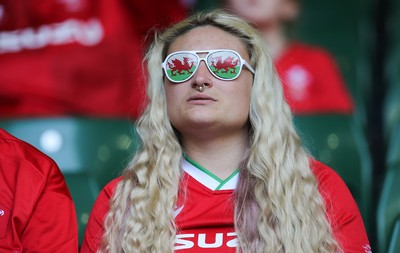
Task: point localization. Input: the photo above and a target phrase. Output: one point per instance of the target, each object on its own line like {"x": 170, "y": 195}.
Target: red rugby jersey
{"x": 205, "y": 217}
{"x": 36, "y": 210}
{"x": 311, "y": 81}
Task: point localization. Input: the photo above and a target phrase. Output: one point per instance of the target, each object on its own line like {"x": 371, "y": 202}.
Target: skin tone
{"x": 269, "y": 16}
{"x": 211, "y": 122}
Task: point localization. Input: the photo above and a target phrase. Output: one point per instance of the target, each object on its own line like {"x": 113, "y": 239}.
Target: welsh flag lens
{"x": 225, "y": 65}
{"x": 181, "y": 66}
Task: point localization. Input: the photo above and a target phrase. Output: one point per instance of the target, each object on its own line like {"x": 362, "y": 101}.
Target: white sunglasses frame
{"x": 208, "y": 52}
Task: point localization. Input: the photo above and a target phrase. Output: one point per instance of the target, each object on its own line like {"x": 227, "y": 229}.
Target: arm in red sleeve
{"x": 52, "y": 226}
{"x": 37, "y": 212}
{"x": 342, "y": 211}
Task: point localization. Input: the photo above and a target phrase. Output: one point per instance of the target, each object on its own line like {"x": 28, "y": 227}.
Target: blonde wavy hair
{"x": 278, "y": 207}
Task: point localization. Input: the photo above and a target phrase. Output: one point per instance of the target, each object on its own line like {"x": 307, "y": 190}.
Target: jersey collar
{"x": 207, "y": 178}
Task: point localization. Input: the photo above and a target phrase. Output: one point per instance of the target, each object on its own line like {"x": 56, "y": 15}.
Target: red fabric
{"x": 342, "y": 210}
{"x": 311, "y": 81}
{"x": 36, "y": 210}
{"x": 206, "y": 219}
{"x": 81, "y": 57}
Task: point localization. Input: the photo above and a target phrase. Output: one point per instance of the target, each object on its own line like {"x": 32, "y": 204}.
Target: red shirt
{"x": 311, "y": 81}
{"x": 81, "y": 57}
{"x": 204, "y": 217}
{"x": 36, "y": 210}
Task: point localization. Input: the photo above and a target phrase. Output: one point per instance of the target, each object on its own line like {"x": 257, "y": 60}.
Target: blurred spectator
{"x": 76, "y": 57}
{"x": 311, "y": 80}
{"x": 36, "y": 210}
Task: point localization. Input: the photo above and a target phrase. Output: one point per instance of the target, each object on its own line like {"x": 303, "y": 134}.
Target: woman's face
{"x": 264, "y": 12}
{"x": 223, "y": 106}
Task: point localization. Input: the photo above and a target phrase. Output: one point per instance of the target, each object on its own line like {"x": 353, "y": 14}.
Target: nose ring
{"x": 200, "y": 87}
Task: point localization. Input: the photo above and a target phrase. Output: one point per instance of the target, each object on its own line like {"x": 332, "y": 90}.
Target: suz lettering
{"x": 206, "y": 241}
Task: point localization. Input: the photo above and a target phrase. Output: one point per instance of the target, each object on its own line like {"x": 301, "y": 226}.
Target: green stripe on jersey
{"x": 227, "y": 179}
{"x": 209, "y": 173}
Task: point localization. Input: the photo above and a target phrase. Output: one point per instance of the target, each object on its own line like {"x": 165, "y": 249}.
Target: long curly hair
{"x": 278, "y": 207}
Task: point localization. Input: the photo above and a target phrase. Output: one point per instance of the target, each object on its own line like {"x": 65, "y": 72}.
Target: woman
{"x": 221, "y": 167}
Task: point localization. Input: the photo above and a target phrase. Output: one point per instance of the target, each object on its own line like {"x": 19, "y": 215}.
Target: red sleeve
{"x": 52, "y": 226}
{"x": 37, "y": 212}
{"x": 94, "y": 229}
{"x": 342, "y": 211}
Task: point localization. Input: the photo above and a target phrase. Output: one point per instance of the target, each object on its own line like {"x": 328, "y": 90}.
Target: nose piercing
{"x": 200, "y": 87}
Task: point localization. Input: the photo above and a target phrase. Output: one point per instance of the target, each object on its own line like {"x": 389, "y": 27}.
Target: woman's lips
{"x": 200, "y": 99}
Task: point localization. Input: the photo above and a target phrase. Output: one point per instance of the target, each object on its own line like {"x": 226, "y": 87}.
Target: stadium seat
{"x": 336, "y": 140}
{"x": 90, "y": 152}
{"x": 394, "y": 244}
{"x": 388, "y": 208}
{"x": 393, "y": 152}
{"x": 388, "y": 213}
{"x": 391, "y": 107}
{"x": 389, "y": 203}
{"x": 391, "y": 111}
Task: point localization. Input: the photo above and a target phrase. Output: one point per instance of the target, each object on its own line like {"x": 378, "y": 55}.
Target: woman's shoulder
{"x": 337, "y": 196}
{"x": 13, "y": 149}
{"x": 110, "y": 187}
{"x": 341, "y": 209}
{"x": 323, "y": 172}
{"x": 328, "y": 180}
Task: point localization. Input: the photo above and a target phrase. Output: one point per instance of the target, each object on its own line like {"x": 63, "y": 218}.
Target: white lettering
{"x": 91, "y": 33}
{"x": 87, "y": 33}
{"x": 218, "y": 241}
{"x": 64, "y": 33}
{"x": 367, "y": 248}
{"x": 188, "y": 241}
{"x": 183, "y": 244}
{"x": 43, "y": 37}
{"x": 28, "y": 39}
{"x": 9, "y": 42}
{"x": 233, "y": 243}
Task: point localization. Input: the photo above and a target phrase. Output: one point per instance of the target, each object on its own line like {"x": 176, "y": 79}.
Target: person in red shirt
{"x": 202, "y": 227}
{"x": 76, "y": 57}
{"x": 221, "y": 167}
{"x": 36, "y": 210}
{"x": 311, "y": 79}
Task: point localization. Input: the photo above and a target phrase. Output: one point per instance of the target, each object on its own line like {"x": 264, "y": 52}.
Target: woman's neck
{"x": 221, "y": 156}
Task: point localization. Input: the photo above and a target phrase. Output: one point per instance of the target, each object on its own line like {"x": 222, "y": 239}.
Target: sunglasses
{"x": 224, "y": 64}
